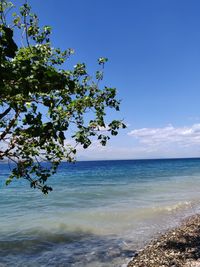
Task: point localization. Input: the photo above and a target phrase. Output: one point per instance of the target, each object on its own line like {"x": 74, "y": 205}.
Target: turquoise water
{"x": 99, "y": 213}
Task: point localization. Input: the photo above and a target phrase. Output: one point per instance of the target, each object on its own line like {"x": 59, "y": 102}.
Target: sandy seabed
{"x": 179, "y": 247}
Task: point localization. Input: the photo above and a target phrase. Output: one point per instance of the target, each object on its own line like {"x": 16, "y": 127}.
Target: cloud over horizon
{"x": 160, "y": 142}
{"x": 183, "y": 136}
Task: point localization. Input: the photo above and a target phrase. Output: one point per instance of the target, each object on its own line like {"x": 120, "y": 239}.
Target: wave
{"x": 63, "y": 249}
{"x": 37, "y": 240}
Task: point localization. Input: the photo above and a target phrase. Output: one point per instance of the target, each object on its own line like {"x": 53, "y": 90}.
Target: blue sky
{"x": 154, "y": 61}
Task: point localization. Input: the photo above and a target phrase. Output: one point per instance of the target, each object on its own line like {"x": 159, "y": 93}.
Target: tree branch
{"x": 5, "y": 113}
{"x": 10, "y": 125}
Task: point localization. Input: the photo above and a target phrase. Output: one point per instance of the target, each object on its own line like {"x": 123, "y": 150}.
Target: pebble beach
{"x": 179, "y": 247}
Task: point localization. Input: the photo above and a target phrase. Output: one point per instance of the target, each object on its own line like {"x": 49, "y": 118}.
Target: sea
{"x": 99, "y": 214}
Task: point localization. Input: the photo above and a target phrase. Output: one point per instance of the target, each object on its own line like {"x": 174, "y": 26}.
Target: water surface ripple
{"x": 99, "y": 213}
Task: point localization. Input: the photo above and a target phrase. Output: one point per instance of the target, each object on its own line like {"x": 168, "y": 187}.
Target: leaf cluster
{"x": 40, "y": 101}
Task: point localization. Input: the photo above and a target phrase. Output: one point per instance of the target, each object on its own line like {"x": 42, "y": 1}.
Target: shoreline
{"x": 177, "y": 247}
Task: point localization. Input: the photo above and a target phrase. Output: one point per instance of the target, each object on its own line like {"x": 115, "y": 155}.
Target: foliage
{"x": 40, "y": 100}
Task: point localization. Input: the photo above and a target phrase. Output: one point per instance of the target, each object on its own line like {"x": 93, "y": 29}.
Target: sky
{"x": 153, "y": 47}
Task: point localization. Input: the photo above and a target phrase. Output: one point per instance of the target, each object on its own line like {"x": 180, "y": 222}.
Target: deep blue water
{"x": 98, "y": 214}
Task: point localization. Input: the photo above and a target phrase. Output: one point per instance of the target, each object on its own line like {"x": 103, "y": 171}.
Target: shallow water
{"x": 98, "y": 214}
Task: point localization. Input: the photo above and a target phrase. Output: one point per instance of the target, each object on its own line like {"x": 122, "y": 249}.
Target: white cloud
{"x": 184, "y": 136}
{"x": 163, "y": 142}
